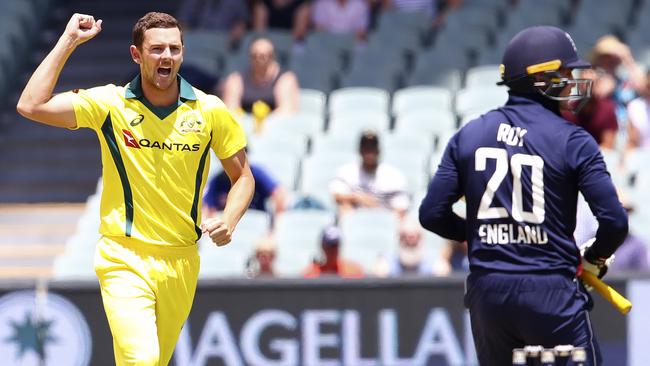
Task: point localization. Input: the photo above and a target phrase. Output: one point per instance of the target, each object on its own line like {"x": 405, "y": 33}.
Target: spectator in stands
{"x": 453, "y": 258}
{"x": 342, "y": 16}
{"x": 260, "y": 265}
{"x": 638, "y": 112}
{"x": 598, "y": 115}
{"x": 436, "y": 9}
{"x": 608, "y": 54}
{"x": 291, "y": 15}
{"x": 331, "y": 263}
{"x": 632, "y": 255}
{"x": 266, "y": 188}
{"x": 370, "y": 183}
{"x": 219, "y": 15}
{"x": 410, "y": 258}
{"x": 265, "y": 87}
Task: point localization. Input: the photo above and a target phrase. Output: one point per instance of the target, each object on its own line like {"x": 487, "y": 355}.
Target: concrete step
{"x": 32, "y": 235}
{"x": 40, "y": 192}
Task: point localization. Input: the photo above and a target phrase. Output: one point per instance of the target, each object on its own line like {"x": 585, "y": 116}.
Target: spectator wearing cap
{"x": 607, "y": 55}
{"x": 370, "y": 183}
{"x": 331, "y": 263}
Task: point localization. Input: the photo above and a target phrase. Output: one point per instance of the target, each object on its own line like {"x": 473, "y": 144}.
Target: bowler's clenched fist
{"x": 218, "y": 231}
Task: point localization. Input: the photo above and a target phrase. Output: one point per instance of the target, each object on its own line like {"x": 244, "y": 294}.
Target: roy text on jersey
{"x": 513, "y": 136}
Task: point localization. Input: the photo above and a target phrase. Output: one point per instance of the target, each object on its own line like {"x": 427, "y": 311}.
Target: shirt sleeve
{"x": 228, "y": 137}
{"x": 340, "y": 184}
{"x": 264, "y": 182}
{"x": 595, "y": 184}
{"x": 91, "y": 106}
{"x": 436, "y": 213}
{"x": 361, "y": 20}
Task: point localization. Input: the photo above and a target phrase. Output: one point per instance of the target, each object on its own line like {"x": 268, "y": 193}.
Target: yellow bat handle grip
{"x": 621, "y": 304}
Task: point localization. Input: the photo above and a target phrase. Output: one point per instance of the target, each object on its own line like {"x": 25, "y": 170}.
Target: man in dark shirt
{"x": 520, "y": 168}
{"x": 266, "y": 187}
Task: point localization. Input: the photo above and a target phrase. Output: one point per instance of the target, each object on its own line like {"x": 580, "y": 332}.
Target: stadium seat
{"x": 298, "y": 235}
{"x": 354, "y": 121}
{"x": 340, "y": 45}
{"x": 206, "y": 63}
{"x": 312, "y": 101}
{"x": 403, "y": 22}
{"x": 429, "y": 123}
{"x": 317, "y": 69}
{"x": 410, "y": 142}
{"x": 368, "y": 234}
{"x": 319, "y": 169}
{"x": 384, "y": 77}
{"x": 480, "y": 99}
{"x": 412, "y": 164}
{"x": 278, "y": 140}
{"x": 281, "y": 165}
{"x": 485, "y": 75}
{"x": 209, "y": 43}
{"x": 346, "y": 99}
{"x": 434, "y": 74}
{"x": 305, "y": 123}
{"x": 230, "y": 260}
{"x": 347, "y": 143}
{"x": 421, "y": 97}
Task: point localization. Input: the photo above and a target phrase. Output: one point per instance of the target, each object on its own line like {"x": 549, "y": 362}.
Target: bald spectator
{"x": 410, "y": 258}
{"x": 265, "y": 82}
{"x": 260, "y": 265}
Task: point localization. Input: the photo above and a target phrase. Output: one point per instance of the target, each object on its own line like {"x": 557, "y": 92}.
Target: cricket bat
{"x": 621, "y": 304}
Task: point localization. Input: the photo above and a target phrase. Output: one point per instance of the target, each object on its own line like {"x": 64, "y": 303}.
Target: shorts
{"x": 147, "y": 291}
{"x": 510, "y": 311}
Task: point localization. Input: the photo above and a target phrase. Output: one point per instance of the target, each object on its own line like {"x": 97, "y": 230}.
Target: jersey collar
{"x": 134, "y": 89}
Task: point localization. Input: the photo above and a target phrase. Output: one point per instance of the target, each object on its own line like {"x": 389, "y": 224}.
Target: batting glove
{"x": 592, "y": 263}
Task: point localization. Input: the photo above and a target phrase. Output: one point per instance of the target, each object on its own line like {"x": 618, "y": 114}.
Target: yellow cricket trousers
{"x": 147, "y": 292}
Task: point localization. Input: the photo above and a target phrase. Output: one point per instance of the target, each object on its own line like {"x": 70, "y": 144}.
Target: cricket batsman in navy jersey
{"x": 520, "y": 168}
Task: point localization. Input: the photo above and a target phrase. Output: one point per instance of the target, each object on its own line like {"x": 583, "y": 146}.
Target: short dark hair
{"x": 369, "y": 140}
{"x": 153, "y": 20}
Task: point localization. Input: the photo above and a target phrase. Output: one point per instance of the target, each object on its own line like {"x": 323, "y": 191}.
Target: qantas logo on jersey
{"x": 130, "y": 141}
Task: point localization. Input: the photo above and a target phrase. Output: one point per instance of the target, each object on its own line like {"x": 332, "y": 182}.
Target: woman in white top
{"x": 638, "y": 112}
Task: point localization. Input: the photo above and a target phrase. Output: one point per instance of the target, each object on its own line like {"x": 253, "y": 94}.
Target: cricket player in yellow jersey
{"x": 155, "y": 134}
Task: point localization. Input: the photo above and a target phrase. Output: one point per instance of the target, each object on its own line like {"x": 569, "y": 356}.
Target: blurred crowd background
{"x": 347, "y": 105}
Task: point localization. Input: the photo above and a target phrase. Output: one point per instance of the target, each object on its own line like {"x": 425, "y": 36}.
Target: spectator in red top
{"x": 598, "y": 116}
{"x": 332, "y": 264}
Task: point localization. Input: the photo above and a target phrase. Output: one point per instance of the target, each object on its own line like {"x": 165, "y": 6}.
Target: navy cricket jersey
{"x": 520, "y": 168}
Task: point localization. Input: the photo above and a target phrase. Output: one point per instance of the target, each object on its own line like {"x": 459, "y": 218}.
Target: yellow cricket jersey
{"x": 155, "y": 160}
